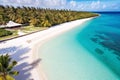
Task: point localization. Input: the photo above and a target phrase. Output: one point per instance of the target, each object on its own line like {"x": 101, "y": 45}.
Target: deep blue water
{"x": 87, "y": 52}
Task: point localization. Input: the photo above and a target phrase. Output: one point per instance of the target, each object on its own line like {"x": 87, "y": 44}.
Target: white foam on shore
{"x": 22, "y": 49}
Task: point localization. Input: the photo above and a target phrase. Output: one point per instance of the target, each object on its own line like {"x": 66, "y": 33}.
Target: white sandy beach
{"x": 23, "y": 50}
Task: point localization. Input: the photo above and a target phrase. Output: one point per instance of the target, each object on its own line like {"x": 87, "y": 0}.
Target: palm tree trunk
{"x": 4, "y": 76}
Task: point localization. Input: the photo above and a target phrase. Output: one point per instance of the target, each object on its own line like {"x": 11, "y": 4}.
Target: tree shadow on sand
{"x": 25, "y": 67}
{"x": 8, "y": 50}
{"x": 18, "y": 54}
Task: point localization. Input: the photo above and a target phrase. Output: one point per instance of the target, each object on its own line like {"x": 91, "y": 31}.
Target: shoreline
{"x": 35, "y": 50}
{"x": 24, "y": 49}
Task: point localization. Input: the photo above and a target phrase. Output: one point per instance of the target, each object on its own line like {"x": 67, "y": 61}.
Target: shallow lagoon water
{"x": 87, "y": 52}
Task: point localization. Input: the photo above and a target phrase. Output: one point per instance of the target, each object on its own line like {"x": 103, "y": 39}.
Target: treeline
{"x": 39, "y": 17}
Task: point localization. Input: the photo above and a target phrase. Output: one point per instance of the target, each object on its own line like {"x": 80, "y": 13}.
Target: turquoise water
{"x": 87, "y": 52}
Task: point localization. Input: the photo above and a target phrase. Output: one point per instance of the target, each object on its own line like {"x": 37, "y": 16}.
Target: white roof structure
{"x": 12, "y": 24}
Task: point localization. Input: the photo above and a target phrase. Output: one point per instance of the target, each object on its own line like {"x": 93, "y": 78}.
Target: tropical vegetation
{"x": 36, "y": 18}
{"x": 4, "y": 32}
{"x": 6, "y": 68}
{"x": 39, "y": 17}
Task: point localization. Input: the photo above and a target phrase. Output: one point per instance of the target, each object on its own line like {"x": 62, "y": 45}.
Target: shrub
{"x": 4, "y": 32}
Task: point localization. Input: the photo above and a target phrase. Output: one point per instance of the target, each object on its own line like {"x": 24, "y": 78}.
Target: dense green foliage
{"x": 4, "y": 32}
{"x": 6, "y": 66}
{"x": 39, "y": 17}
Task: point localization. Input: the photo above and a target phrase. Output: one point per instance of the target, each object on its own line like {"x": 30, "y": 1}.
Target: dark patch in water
{"x": 117, "y": 53}
{"x": 94, "y": 40}
{"x": 109, "y": 40}
{"x": 110, "y": 45}
{"x": 102, "y": 37}
{"x": 113, "y": 36}
{"x": 118, "y": 58}
{"x": 99, "y": 51}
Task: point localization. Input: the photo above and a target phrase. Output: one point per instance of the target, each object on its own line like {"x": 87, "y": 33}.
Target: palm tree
{"x": 45, "y": 23}
{"x": 6, "y": 66}
{"x": 34, "y": 22}
{"x": 40, "y": 17}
